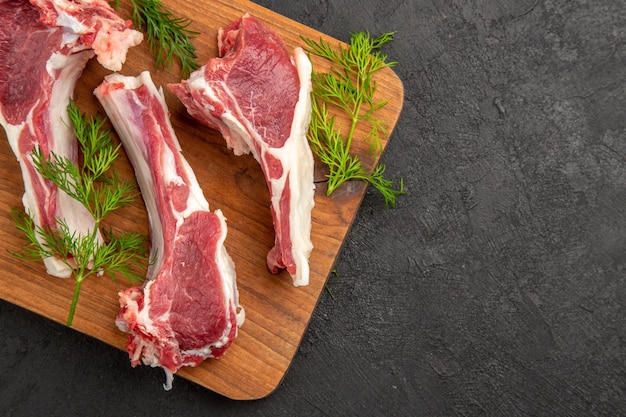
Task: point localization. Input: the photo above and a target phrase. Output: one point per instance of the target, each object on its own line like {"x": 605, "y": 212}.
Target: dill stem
{"x": 79, "y": 281}
{"x": 351, "y": 132}
{"x": 355, "y": 121}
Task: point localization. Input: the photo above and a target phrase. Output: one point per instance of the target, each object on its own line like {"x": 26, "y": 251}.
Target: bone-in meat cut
{"x": 44, "y": 47}
{"x": 258, "y": 97}
{"x": 188, "y": 308}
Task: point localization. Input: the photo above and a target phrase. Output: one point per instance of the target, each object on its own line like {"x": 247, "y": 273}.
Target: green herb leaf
{"x": 350, "y": 88}
{"x": 169, "y": 36}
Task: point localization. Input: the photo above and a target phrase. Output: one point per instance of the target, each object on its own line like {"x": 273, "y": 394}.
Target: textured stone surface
{"x": 495, "y": 287}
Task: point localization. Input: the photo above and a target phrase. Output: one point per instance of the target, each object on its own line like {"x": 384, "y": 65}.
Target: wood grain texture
{"x": 276, "y": 312}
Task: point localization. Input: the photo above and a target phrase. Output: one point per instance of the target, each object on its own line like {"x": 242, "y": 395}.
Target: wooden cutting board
{"x": 277, "y": 313}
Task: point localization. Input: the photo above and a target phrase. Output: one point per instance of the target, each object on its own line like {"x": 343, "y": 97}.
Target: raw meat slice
{"x": 40, "y": 62}
{"x": 188, "y": 309}
{"x": 259, "y": 99}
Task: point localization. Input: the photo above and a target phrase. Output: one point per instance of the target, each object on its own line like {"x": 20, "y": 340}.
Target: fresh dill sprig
{"x": 350, "y": 87}
{"x": 169, "y": 36}
{"x": 100, "y": 192}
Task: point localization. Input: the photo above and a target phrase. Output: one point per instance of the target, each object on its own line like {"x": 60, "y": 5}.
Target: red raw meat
{"x": 258, "y": 97}
{"x": 44, "y": 47}
{"x": 188, "y": 309}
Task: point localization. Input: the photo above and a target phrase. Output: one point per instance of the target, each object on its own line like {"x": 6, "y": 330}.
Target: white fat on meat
{"x": 113, "y": 38}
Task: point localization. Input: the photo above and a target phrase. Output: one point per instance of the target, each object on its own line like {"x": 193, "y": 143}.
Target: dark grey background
{"x": 495, "y": 287}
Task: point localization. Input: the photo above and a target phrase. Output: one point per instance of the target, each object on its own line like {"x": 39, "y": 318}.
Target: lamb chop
{"x": 188, "y": 309}
{"x": 258, "y": 97}
{"x": 44, "y": 47}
